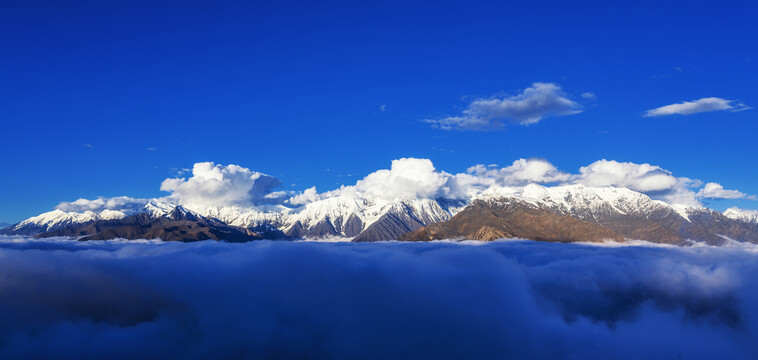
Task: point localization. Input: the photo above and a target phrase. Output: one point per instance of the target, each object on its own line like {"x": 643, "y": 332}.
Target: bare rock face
{"x": 389, "y": 227}
{"x": 714, "y": 222}
{"x": 488, "y": 221}
{"x": 511, "y": 217}
{"x": 404, "y": 216}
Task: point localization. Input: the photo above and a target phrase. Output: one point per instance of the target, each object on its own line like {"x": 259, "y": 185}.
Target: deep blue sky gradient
{"x": 293, "y": 89}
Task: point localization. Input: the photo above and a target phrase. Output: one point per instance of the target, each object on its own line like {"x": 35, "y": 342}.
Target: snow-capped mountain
{"x": 582, "y": 201}
{"x": 362, "y": 218}
{"x": 573, "y": 211}
{"x": 339, "y": 216}
{"x": 749, "y": 216}
{"x": 581, "y": 213}
{"x": 58, "y": 219}
{"x": 402, "y": 216}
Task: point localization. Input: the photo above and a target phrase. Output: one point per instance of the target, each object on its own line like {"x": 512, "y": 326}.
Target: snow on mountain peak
{"x": 580, "y": 198}
{"x": 735, "y": 213}
{"x": 58, "y": 218}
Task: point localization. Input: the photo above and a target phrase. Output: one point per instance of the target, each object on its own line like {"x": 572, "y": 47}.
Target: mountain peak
{"x": 749, "y": 216}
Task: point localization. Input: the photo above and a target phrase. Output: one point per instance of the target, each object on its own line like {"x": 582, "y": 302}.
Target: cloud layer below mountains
{"x": 392, "y": 300}
{"x": 231, "y": 185}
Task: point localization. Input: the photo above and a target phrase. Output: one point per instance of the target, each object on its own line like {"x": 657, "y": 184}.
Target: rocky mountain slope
{"x": 178, "y": 224}
{"x": 560, "y": 213}
{"x": 343, "y": 217}
{"x": 579, "y": 213}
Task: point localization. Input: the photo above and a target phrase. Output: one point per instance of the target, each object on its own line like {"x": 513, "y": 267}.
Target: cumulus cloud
{"x": 418, "y": 178}
{"x": 505, "y": 300}
{"x": 119, "y": 203}
{"x": 716, "y": 191}
{"x": 308, "y": 195}
{"x": 539, "y": 101}
{"x": 521, "y": 172}
{"x": 406, "y": 178}
{"x": 651, "y": 180}
{"x": 698, "y": 106}
{"x": 411, "y": 178}
{"x": 638, "y": 177}
{"x": 221, "y": 185}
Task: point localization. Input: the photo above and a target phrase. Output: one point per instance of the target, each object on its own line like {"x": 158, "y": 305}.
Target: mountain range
{"x": 566, "y": 213}
{"x": 578, "y": 213}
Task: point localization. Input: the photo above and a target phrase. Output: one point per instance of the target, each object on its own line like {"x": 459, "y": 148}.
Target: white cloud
{"x": 268, "y": 299}
{"x": 645, "y": 178}
{"x": 219, "y": 185}
{"x": 638, "y": 177}
{"x": 716, "y": 191}
{"x": 120, "y": 203}
{"x": 698, "y": 106}
{"x": 539, "y": 101}
{"x": 307, "y": 196}
{"x": 418, "y": 178}
{"x": 413, "y": 178}
{"x": 407, "y": 178}
{"x": 521, "y": 172}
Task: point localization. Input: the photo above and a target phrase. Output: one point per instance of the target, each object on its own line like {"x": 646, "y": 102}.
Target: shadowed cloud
{"x": 310, "y": 300}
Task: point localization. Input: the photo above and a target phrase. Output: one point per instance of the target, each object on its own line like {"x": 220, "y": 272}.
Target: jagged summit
{"x": 748, "y": 216}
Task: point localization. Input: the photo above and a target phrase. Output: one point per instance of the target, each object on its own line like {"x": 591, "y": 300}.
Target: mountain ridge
{"x": 551, "y": 214}
{"x": 557, "y": 213}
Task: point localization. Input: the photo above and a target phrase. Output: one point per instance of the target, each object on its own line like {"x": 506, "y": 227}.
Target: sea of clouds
{"x": 265, "y": 299}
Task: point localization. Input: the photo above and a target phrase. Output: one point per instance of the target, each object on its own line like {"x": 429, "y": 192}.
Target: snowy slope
{"x": 350, "y": 216}
{"x": 583, "y": 201}
{"x": 371, "y": 219}
{"x": 58, "y": 219}
{"x": 339, "y": 216}
{"x": 748, "y": 216}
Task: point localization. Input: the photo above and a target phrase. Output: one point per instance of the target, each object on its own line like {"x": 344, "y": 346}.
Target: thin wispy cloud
{"x": 535, "y": 103}
{"x": 698, "y": 106}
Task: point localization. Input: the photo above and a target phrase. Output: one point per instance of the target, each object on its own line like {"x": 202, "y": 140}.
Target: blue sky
{"x": 110, "y": 98}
